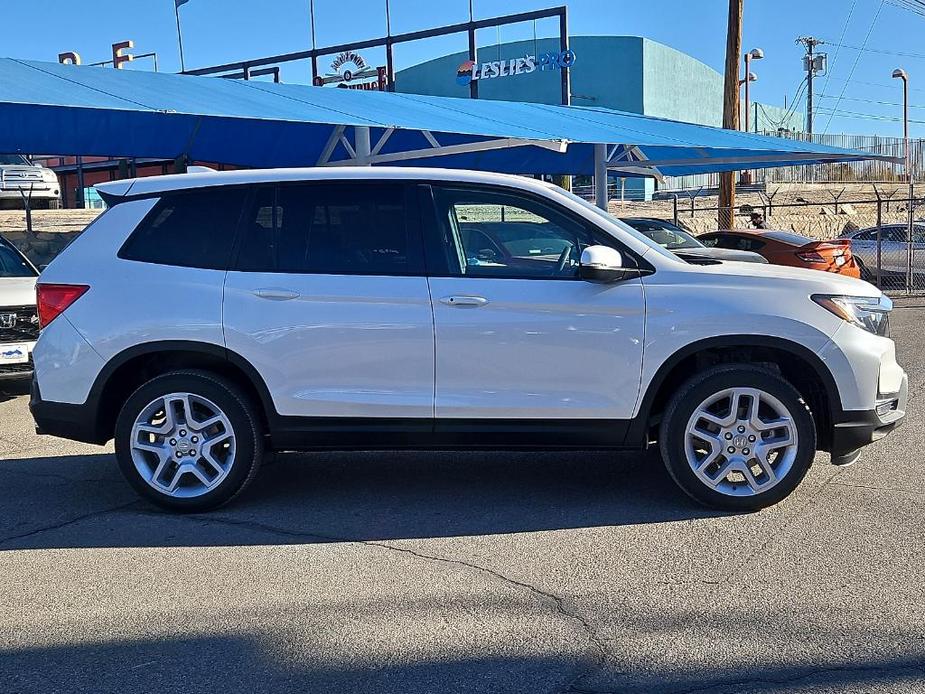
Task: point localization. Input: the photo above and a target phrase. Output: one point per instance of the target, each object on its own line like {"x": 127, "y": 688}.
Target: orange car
{"x": 787, "y": 248}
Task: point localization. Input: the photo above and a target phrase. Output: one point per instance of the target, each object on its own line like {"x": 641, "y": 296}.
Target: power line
{"x": 838, "y": 46}
{"x": 878, "y": 84}
{"x": 868, "y": 101}
{"x": 867, "y": 116}
{"x": 857, "y": 59}
{"x": 881, "y": 51}
{"x": 916, "y": 6}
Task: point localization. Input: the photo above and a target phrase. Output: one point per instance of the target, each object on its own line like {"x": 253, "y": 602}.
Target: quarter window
{"x": 498, "y": 234}
{"x": 189, "y": 229}
{"x": 330, "y": 229}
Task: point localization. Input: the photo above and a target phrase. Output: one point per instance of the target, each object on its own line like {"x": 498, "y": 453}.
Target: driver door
{"x": 518, "y": 334}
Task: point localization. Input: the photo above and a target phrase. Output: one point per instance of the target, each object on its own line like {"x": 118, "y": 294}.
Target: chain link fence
{"x": 875, "y": 218}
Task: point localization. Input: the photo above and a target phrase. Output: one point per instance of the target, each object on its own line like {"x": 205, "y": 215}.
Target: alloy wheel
{"x": 182, "y": 445}
{"x": 741, "y": 441}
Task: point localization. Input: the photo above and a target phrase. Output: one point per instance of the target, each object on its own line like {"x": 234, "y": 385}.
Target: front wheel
{"x": 188, "y": 441}
{"x": 737, "y": 438}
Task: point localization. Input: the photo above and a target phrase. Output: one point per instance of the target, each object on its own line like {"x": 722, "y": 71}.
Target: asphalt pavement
{"x": 463, "y": 572}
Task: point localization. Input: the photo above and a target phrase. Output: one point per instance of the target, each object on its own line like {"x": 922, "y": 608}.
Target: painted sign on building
{"x": 351, "y": 71}
{"x": 471, "y": 71}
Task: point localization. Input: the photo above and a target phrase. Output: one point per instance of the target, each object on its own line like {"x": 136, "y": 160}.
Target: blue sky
{"x": 217, "y": 31}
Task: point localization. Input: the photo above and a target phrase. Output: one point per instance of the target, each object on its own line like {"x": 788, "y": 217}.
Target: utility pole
{"x": 727, "y": 192}
{"x": 813, "y": 63}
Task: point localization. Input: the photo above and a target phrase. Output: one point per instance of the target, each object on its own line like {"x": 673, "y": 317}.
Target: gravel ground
{"x": 458, "y": 572}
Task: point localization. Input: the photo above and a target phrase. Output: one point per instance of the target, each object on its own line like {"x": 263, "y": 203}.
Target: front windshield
{"x": 12, "y": 264}
{"x": 607, "y": 217}
{"x": 681, "y": 239}
{"x": 14, "y": 160}
{"x": 665, "y": 234}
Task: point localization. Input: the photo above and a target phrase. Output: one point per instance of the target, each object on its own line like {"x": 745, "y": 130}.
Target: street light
{"x": 753, "y": 54}
{"x": 901, "y": 74}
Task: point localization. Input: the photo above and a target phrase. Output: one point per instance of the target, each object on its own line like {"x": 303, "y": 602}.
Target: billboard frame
{"x": 246, "y": 68}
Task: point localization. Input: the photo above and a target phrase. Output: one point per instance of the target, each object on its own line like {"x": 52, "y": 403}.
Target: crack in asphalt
{"x": 914, "y": 492}
{"x": 772, "y": 537}
{"x": 65, "y": 523}
{"x": 734, "y": 687}
{"x": 558, "y": 603}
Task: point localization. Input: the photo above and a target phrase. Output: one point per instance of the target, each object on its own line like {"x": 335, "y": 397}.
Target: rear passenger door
{"x": 327, "y": 299}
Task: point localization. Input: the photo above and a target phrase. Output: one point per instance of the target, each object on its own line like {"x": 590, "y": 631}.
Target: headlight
{"x": 867, "y": 312}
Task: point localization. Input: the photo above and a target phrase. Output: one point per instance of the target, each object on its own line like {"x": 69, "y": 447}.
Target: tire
{"x": 739, "y": 437}
{"x": 209, "y": 412}
{"x": 866, "y": 274}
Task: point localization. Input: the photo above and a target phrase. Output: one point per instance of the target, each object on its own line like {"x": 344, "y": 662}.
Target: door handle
{"x": 276, "y": 294}
{"x": 464, "y": 300}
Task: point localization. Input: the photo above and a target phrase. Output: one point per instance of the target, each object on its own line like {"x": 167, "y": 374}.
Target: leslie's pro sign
{"x": 471, "y": 71}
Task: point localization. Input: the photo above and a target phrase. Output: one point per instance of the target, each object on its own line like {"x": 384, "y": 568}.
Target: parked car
{"x": 207, "y": 318}
{"x": 18, "y": 176}
{"x": 894, "y": 253}
{"x": 788, "y": 248}
{"x": 19, "y": 324}
{"x": 683, "y": 244}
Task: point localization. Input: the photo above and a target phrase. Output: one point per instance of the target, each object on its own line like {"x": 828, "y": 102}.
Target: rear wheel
{"x": 738, "y": 438}
{"x": 188, "y": 441}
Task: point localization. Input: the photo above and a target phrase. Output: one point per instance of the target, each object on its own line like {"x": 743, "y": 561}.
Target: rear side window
{"x": 362, "y": 229}
{"x": 189, "y": 229}
{"x": 12, "y": 264}
{"x": 734, "y": 243}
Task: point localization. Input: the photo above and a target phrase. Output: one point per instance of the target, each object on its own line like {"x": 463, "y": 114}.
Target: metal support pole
{"x": 473, "y": 56}
{"x": 563, "y": 47}
{"x": 910, "y": 278}
{"x": 27, "y": 204}
{"x": 362, "y": 144}
{"x": 79, "y": 201}
{"x": 389, "y": 57}
{"x": 600, "y": 176}
{"x": 748, "y": 60}
{"x": 674, "y": 207}
{"x": 879, "y": 239}
{"x": 179, "y": 40}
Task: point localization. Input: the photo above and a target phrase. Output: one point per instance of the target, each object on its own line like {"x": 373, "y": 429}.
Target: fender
{"x": 639, "y": 428}
{"x": 205, "y": 348}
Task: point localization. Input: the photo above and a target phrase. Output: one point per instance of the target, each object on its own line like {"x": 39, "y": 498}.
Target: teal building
{"x": 626, "y": 73}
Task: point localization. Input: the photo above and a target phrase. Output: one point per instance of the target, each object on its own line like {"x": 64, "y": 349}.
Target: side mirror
{"x": 601, "y": 264}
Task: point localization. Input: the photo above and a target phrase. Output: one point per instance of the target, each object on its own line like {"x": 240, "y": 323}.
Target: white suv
{"x": 207, "y": 318}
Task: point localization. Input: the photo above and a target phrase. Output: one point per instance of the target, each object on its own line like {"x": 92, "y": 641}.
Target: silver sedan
{"x": 894, "y": 253}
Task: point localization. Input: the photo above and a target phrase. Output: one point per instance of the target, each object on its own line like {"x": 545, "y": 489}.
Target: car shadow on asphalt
{"x": 250, "y": 662}
{"x": 14, "y": 387}
{"x": 81, "y": 501}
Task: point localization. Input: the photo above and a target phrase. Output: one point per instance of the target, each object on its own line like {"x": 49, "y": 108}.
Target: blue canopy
{"x": 66, "y": 109}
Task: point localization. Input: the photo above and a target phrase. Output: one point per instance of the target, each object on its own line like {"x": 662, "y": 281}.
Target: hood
{"x": 720, "y": 254}
{"x": 17, "y": 291}
{"x": 815, "y": 281}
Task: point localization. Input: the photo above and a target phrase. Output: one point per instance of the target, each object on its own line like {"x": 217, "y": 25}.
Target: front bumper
{"x": 38, "y": 193}
{"x": 854, "y": 429}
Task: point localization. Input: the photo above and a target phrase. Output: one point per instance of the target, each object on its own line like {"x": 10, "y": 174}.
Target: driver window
{"x": 504, "y": 235}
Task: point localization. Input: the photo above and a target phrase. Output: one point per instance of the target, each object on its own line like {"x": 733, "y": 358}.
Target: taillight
{"x": 54, "y": 299}
{"x": 811, "y": 257}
